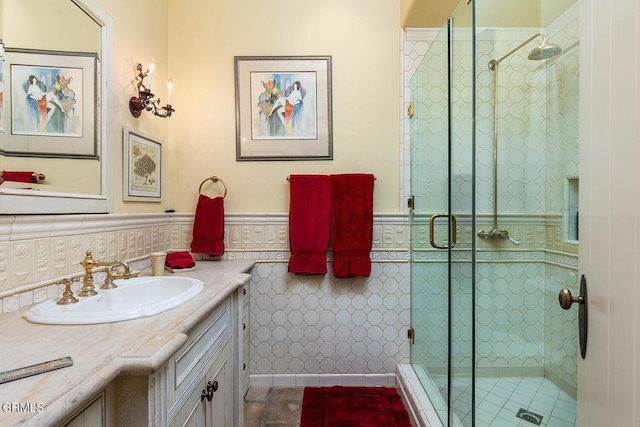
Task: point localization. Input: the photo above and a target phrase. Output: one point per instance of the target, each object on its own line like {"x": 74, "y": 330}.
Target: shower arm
{"x": 494, "y": 62}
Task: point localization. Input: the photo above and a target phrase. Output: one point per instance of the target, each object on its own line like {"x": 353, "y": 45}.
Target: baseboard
{"x": 322, "y": 380}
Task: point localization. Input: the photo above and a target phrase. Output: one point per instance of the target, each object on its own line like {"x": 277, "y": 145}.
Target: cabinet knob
{"x": 206, "y": 395}
{"x": 212, "y": 387}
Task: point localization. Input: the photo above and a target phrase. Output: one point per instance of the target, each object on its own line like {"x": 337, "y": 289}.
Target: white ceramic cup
{"x": 157, "y": 263}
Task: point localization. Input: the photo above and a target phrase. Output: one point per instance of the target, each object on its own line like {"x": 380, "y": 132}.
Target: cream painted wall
{"x": 197, "y": 40}
{"x": 363, "y": 39}
{"x": 140, "y": 35}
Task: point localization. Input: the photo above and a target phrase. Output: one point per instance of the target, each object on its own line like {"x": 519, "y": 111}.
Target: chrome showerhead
{"x": 545, "y": 50}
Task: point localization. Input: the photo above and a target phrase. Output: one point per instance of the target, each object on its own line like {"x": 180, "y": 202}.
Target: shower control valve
{"x": 496, "y": 233}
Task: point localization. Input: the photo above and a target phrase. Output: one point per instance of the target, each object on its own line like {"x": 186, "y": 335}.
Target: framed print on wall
{"x": 283, "y": 108}
{"x": 50, "y": 100}
{"x": 142, "y": 167}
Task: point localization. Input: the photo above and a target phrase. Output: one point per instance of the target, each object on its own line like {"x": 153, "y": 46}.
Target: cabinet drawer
{"x": 197, "y": 352}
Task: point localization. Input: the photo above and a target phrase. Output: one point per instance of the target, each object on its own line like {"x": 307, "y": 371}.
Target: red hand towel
{"x": 208, "y": 226}
{"x": 179, "y": 260}
{"x": 309, "y": 223}
{"x": 351, "y": 224}
{"x": 19, "y": 176}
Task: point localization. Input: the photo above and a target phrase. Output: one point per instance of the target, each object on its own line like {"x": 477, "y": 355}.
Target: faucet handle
{"x": 67, "y": 295}
{"x": 108, "y": 282}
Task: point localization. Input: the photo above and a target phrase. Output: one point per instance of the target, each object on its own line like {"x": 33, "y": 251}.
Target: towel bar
{"x": 374, "y": 178}
{"x": 214, "y": 179}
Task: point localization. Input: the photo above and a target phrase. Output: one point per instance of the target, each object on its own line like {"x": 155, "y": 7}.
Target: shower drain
{"x": 529, "y": 416}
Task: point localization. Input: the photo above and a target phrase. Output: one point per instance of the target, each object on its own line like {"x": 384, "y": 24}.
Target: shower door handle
{"x": 431, "y": 231}
{"x": 566, "y": 300}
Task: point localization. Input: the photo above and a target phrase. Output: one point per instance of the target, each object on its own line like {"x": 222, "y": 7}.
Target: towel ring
{"x": 214, "y": 179}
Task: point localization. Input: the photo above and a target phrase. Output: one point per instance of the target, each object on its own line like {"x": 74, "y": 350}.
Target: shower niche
{"x": 571, "y": 212}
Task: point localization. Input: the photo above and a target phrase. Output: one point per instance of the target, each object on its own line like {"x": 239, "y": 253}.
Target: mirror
{"x": 66, "y": 45}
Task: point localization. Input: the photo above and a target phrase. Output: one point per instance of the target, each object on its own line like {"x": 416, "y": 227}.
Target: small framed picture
{"x": 283, "y": 108}
{"x": 142, "y": 167}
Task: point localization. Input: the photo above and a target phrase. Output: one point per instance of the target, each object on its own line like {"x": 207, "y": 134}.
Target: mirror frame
{"x": 17, "y": 201}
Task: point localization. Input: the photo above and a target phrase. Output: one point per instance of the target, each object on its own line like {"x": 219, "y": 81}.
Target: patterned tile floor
{"x": 500, "y": 399}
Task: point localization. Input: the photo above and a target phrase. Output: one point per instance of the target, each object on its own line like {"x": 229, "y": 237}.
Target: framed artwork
{"x": 142, "y": 167}
{"x": 50, "y": 103}
{"x": 283, "y": 108}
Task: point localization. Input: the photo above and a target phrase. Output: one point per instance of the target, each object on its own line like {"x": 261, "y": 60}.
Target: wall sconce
{"x": 144, "y": 100}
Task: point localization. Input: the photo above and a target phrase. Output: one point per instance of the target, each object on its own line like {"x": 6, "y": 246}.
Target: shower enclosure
{"x": 494, "y": 182}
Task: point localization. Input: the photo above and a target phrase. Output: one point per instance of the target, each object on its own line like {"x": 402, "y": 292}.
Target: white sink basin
{"x": 132, "y": 299}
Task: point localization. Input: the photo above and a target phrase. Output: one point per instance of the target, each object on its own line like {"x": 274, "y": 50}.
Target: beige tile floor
{"x": 273, "y": 406}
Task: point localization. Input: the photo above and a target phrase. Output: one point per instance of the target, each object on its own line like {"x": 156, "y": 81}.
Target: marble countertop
{"x": 100, "y": 352}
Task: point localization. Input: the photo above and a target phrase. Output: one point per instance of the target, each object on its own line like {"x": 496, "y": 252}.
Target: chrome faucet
{"x": 496, "y": 233}
{"x": 89, "y": 263}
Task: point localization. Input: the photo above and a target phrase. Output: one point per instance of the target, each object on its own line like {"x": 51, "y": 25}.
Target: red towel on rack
{"x": 351, "y": 224}
{"x": 19, "y": 176}
{"x": 208, "y": 226}
{"x": 309, "y": 223}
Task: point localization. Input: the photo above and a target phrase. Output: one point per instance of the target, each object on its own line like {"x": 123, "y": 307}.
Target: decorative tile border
{"x": 37, "y": 251}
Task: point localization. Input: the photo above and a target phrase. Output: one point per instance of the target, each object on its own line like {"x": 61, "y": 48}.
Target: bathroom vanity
{"x": 186, "y": 365}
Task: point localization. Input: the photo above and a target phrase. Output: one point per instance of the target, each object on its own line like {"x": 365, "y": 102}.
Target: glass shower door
{"x": 492, "y": 347}
{"x": 429, "y": 187}
{"x": 462, "y": 185}
{"x": 442, "y": 266}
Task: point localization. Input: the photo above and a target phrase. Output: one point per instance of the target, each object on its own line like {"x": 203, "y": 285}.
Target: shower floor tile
{"x": 499, "y": 400}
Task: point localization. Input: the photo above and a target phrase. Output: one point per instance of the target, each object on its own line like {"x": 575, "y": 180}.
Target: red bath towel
{"x": 309, "y": 223}
{"x": 208, "y": 226}
{"x": 18, "y": 176}
{"x": 351, "y": 224}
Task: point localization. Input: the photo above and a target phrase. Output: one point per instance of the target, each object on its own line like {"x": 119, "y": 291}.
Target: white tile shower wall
{"x": 560, "y": 336}
{"x": 414, "y": 44}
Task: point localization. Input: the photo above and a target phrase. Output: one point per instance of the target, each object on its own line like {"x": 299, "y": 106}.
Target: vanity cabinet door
{"x": 209, "y": 404}
{"x": 193, "y": 411}
{"x": 220, "y": 407}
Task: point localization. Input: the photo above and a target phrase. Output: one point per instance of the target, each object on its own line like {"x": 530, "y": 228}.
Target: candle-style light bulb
{"x": 149, "y": 75}
{"x": 170, "y": 87}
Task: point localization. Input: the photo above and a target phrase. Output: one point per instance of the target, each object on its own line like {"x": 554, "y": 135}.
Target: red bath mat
{"x": 353, "y": 407}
